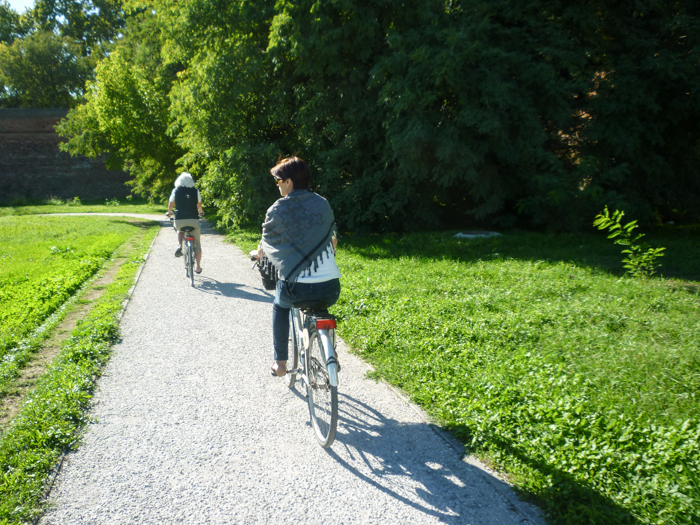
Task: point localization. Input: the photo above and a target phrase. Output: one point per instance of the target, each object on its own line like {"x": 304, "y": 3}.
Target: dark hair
{"x": 293, "y": 168}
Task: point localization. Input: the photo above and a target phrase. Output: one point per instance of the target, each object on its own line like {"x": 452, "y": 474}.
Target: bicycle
{"x": 188, "y": 251}
{"x": 312, "y": 361}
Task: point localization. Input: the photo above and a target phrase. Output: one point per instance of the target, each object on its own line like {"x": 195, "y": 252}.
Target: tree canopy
{"x": 126, "y": 113}
{"x": 412, "y": 115}
{"x": 10, "y": 23}
{"x": 91, "y": 23}
{"x": 43, "y": 70}
{"x": 51, "y": 50}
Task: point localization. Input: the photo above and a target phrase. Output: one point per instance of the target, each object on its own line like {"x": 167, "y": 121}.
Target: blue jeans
{"x": 288, "y": 293}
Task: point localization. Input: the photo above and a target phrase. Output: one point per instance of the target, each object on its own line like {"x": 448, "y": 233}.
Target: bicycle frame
{"x": 188, "y": 249}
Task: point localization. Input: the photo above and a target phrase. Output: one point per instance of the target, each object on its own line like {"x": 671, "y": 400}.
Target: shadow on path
{"x": 372, "y": 444}
{"x": 368, "y": 445}
{"x": 234, "y": 290}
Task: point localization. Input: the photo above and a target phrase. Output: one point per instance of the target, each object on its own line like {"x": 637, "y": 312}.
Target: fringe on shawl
{"x": 328, "y": 251}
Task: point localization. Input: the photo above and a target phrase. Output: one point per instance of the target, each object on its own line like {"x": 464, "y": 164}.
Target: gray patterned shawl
{"x": 298, "y": 229}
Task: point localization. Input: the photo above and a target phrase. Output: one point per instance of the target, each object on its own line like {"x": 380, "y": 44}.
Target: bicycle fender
{"x": 331, "y": 362}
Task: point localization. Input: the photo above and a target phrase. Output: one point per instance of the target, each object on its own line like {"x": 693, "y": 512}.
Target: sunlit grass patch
{"x": 45, "y": 260}
{"x": 581, "y": 383}
{"x": 76, "y": 205}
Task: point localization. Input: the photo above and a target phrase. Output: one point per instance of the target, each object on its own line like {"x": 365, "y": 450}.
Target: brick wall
{"x": 32, "y": 167}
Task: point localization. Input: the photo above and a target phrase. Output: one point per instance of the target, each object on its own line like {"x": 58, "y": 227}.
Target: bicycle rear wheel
{"x": 186, "y": 253}
{"x": 190, "y": 262}
{"x": 323, "y": 398}
{"x": 293, "y": 358}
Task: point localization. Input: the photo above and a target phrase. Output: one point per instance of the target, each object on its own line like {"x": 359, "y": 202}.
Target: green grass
{"x": 51, "y": 419}
{"x": 55, "y": 205}
{"x": 45, "y": 261}
{"x": 544, "y": 359}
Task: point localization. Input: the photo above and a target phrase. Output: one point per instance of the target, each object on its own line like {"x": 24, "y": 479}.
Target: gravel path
{"x": 189, "y": 426}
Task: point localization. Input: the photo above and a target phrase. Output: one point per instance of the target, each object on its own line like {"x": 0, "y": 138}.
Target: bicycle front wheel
{"x": 293, "y": 358}
{"x": 323, "y": 398}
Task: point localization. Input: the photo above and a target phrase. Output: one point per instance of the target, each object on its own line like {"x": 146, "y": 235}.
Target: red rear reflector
{"x": 325, "y": 324}
{"x": 190, "y": 238}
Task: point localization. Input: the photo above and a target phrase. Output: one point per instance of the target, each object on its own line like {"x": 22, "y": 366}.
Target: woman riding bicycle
{"x": 187, "y": 202}
{"x": 299, "y": 239}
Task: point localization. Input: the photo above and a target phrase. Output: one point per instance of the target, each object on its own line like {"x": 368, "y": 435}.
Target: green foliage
{"x": 91, "y": 23}
{"x": 477, "y": 101}
{"x": 126, "y": 111}
{"x": 43, "y": 70}
{"x": 50, "y": 51}
{"x": 582, "y": 385}
{"x": 641, "y": 131}
{"x": 411, "y": 115}
{"x": 10, "y": 27}
{"x": 50, "y": 421}
{"x": 222, "y": 105}
{"x": 54, "y": 201}
{"x": 641, "y": 258}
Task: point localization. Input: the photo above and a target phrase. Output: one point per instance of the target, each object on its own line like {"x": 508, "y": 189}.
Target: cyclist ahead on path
{"x": 187, "y": 202}
{"x": 298, "y": 237}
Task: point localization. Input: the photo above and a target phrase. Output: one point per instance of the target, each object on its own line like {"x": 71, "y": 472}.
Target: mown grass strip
{"x": 55, "y": 412}
{"x": 544, "y": 359}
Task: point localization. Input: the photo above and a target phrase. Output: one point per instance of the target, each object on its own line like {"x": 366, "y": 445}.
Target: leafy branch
{"x": 641, "y": 258}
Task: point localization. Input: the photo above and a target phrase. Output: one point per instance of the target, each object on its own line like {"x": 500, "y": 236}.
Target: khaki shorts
{"x": 195, "y": 224}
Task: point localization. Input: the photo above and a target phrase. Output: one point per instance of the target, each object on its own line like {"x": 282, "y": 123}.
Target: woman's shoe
{"x": 279, "y": 368}
{"x": 198, "y": 271}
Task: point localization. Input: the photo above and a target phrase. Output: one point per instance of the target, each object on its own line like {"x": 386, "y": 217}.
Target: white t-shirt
{"x": 327, "y": 270}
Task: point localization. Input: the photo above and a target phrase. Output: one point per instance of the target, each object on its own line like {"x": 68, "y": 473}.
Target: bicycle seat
{"x": 311, "y": 305}
{"x": 186, "y": 229}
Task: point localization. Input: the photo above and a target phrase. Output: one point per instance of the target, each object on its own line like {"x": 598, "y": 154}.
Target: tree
{"x": 226, "y": 115}
{"x": 435, "y": 113}
{"x": 10, "y": 27}
{"x": 325, "y": 54}
{"x": 421, "y": 114}
{"x": 126, "y": 111}
{"x": 92, "y": 23}
{"x": 642, "y": 135}
{"x": 43, "y": 70}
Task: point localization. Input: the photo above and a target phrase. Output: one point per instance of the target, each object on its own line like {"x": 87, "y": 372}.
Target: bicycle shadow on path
{"x": 211, "y": 286}
{"x": 431, "y": 479}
